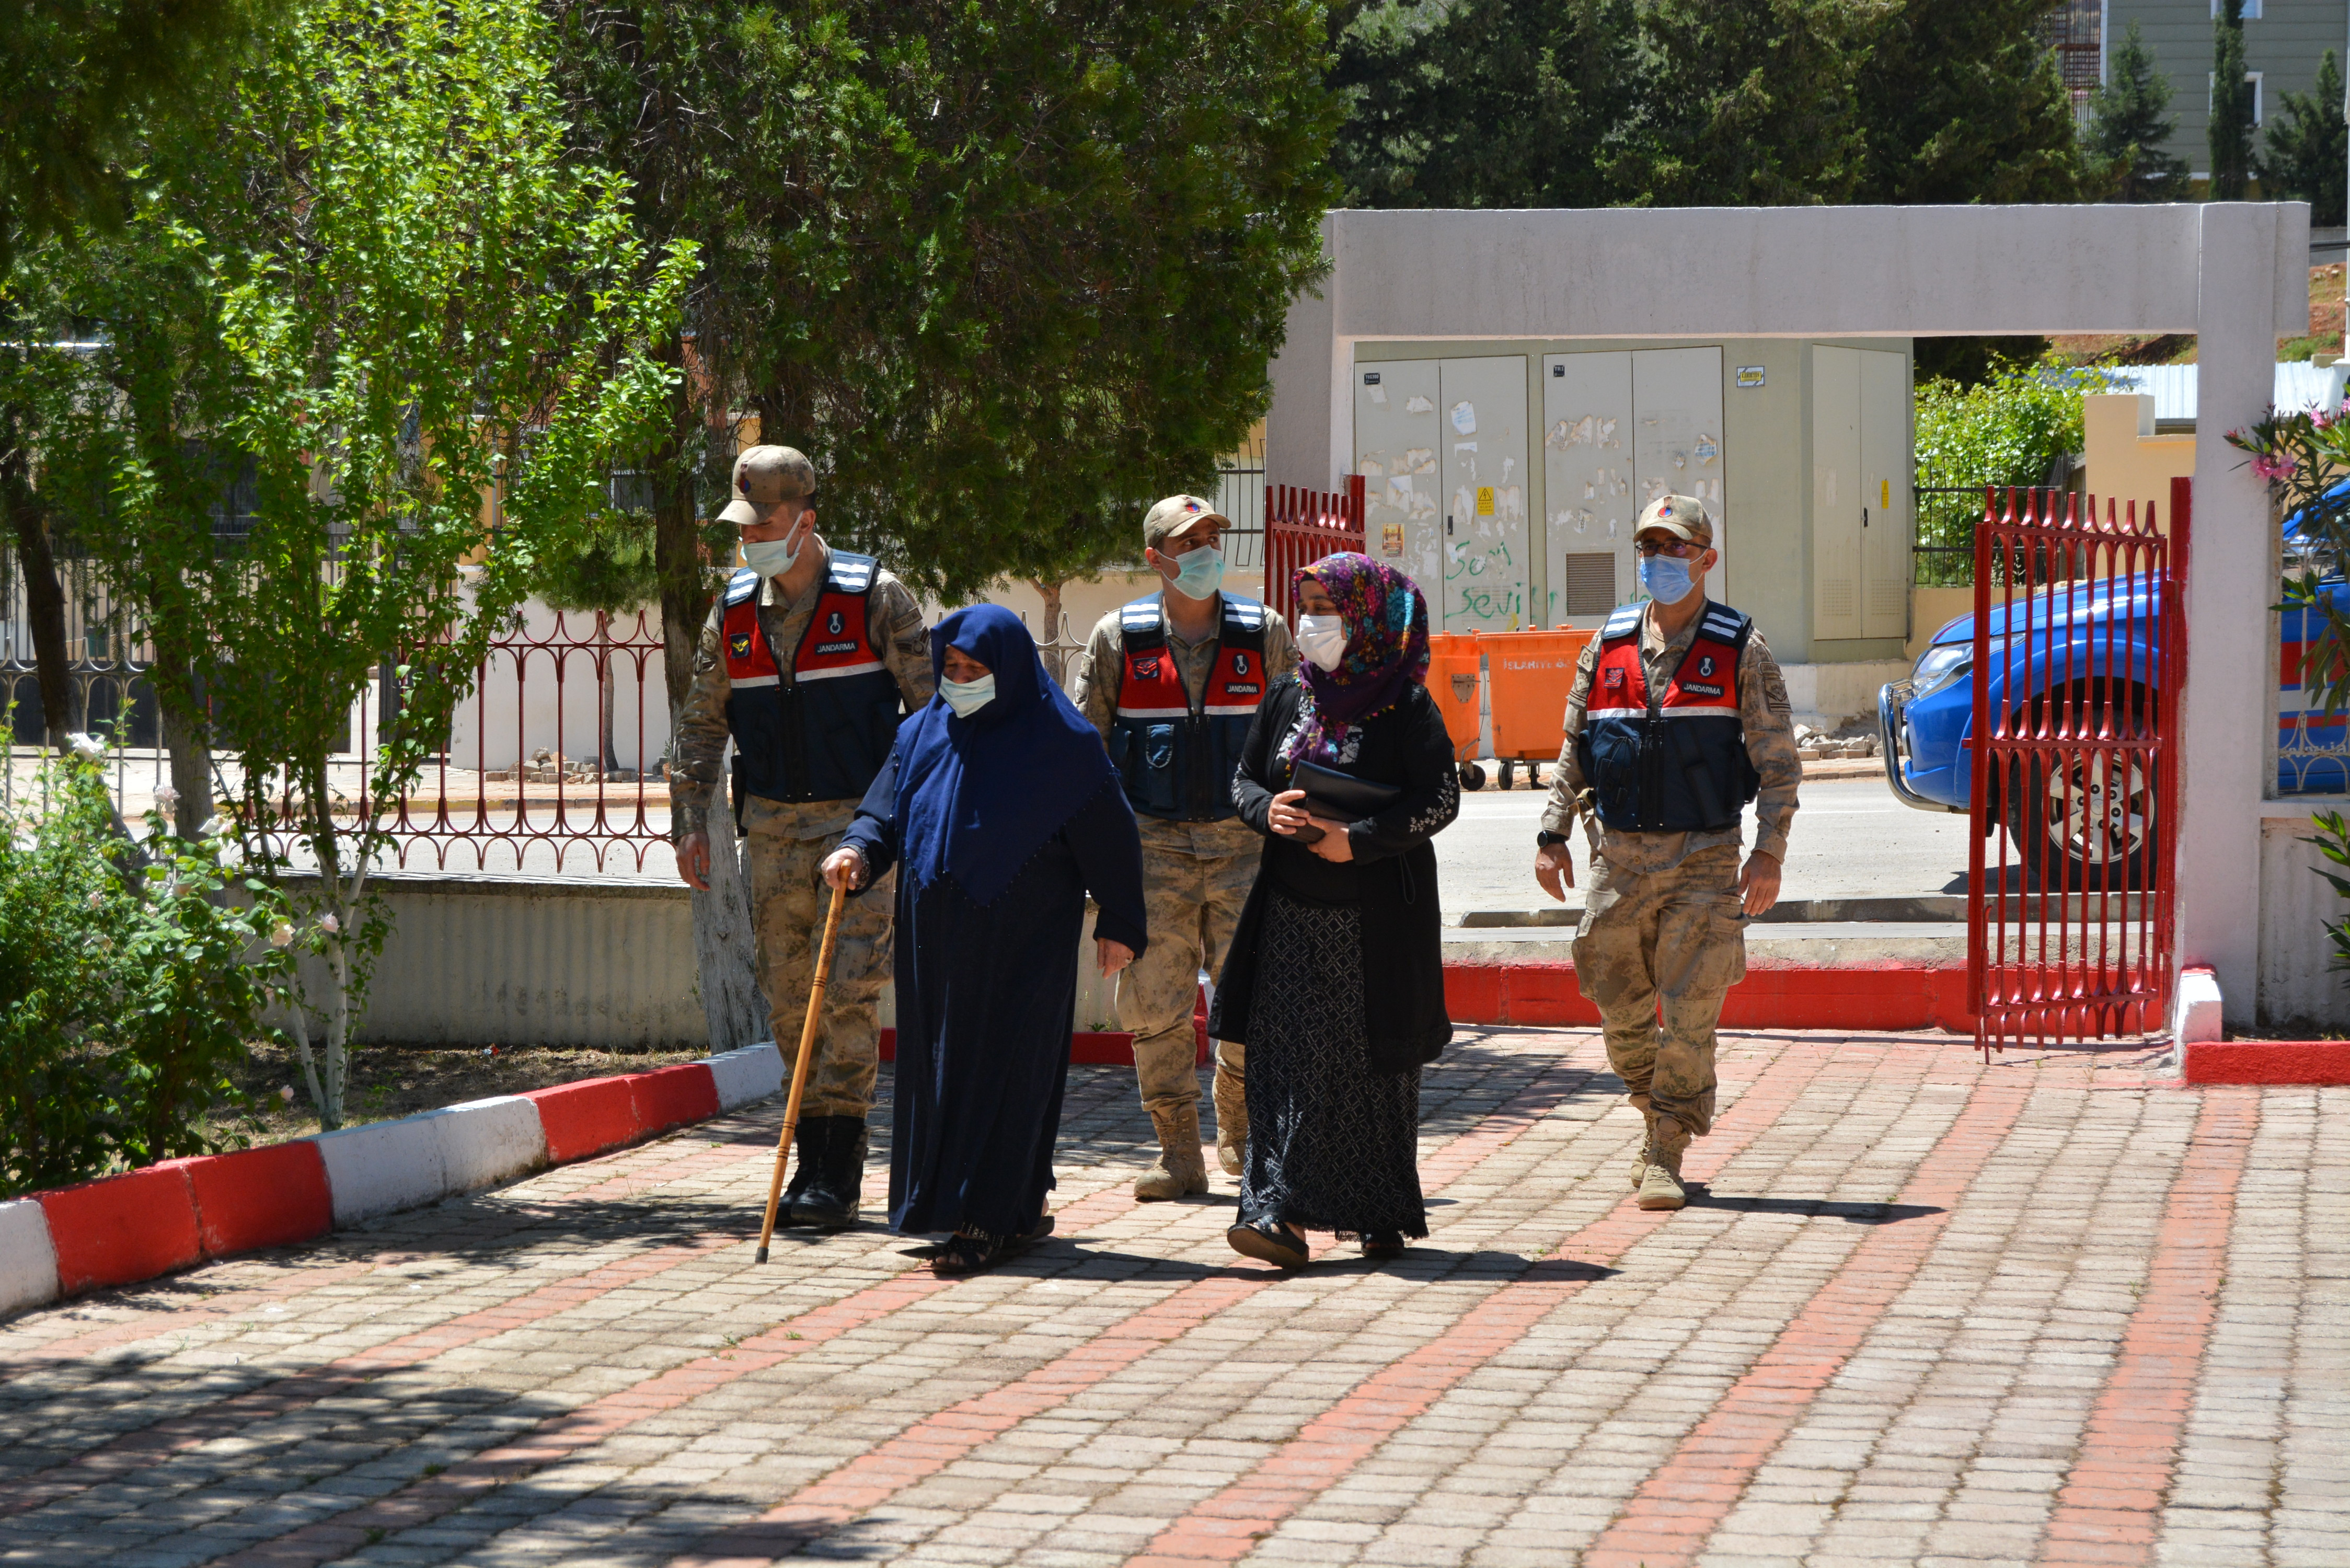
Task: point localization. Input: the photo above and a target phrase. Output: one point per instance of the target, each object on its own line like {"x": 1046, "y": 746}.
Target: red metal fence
{"x": 554, "y": 763}
{"x": 2079, "y": 654}
{"x": 1301, "y": 526}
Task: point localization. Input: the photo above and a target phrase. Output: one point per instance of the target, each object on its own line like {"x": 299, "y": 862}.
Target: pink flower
{"x": 2271, "y": 467}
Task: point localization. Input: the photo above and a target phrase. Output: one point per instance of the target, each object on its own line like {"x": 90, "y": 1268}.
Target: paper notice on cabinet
{"x": 1464, "y": 418}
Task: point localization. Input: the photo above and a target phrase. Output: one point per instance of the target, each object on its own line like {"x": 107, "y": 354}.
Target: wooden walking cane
{"x": 800, "y": 1068}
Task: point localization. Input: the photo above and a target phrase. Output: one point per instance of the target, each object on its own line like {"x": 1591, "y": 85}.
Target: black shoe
{"x": 1268, "y": 1241}
{"x": 1382, "y": 1246}
{"x": 837, "y": 1156}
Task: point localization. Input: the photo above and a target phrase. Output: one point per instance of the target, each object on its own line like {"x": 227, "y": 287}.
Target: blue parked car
{"x": 2087, "y": 646}
{"x": 2084, "y": 649}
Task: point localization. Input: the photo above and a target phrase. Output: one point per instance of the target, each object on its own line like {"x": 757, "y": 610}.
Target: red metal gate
{"x": 2079, "y": 654}
{"x": 1301, "y": 526}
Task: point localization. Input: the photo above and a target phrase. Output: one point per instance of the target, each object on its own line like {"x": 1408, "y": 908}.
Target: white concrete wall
{"x": 2297, "y": 985}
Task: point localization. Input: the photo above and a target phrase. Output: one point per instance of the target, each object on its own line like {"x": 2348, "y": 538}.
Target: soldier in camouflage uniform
{"x": 1677, "y": 717}
{"x": 1172, "y": 683}
{"x": 807, "y": 661}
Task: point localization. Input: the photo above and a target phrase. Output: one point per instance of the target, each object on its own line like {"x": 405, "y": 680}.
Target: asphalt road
{"x": 1851, "y": 838}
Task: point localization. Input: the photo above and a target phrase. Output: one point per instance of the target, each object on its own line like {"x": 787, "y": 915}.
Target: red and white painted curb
{"x": 123, "y": 1228}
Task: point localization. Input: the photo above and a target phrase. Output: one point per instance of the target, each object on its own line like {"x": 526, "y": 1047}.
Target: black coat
{"x": 1391, "y": 879}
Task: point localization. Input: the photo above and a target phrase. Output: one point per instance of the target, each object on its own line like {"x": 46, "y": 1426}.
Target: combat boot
{"x": 1181, "y": 1171}
{"x": 808, "y": 1142}
{"x": 830, "y": 1201}
{"x": 1660, "y": 1184}
{"x": 1231, "y": 1120}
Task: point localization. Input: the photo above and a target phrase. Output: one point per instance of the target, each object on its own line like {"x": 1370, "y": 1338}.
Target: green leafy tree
{"x": 1752, "y": 103}
{"x": 2229, "y": 133}
{"x": 1488, "y": 103}
{"x": 409, "y": 299}
{"x": 1702, "y": 102}
{"x": 2309, "y": 147}
{"x": 1964, "y": 103}
{"x": 82, "y": 82}
{"x": 2132, "y": 124}
{"x": 1004, "y": 272}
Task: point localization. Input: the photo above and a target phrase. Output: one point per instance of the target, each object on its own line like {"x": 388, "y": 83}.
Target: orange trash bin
{"x": 1455, "y": 671}
{"x": 1529, "y": 675}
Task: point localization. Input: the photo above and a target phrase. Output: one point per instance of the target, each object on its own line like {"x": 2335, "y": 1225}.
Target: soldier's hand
{"x": 1757, "y": 884}
{"x": 844, "y": 867}
{"x": 1555, "y": 869}
{"x": 1111, "y": 955}
{"x": 694, "y": 861}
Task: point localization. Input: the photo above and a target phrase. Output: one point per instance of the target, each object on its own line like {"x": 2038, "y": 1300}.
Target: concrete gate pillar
{"x": 2223, "y": 713}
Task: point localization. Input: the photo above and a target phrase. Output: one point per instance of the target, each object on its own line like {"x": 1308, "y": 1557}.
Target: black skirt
{"x": 1332, "y": 1144}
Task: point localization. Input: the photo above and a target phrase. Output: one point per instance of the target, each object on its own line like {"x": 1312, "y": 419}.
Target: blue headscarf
{"x": 978, "y": 797}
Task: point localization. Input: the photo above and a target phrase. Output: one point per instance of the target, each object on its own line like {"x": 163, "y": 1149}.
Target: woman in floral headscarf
{"x": 1335, "y": 978}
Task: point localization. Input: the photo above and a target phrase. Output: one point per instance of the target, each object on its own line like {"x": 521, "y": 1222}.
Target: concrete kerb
{"x": 367, "y": 1172}
{"x": 28, "y": 1264}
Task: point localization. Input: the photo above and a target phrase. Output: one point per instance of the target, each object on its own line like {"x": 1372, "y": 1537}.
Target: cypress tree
{"x": 2133, "y": 124}
{"x": 2231, "y": 108}
{"x": 2308, "y": 144}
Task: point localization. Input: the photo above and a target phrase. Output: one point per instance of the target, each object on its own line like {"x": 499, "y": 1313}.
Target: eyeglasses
{"x": 1680, "y": 550}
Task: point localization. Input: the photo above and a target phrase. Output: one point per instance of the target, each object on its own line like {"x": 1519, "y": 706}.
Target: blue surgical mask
{"x": 1666, "y": 580}
{"x": 967, "y": 697}
{"x": 770, "y": 558}
{"x": 1200, "y": 572}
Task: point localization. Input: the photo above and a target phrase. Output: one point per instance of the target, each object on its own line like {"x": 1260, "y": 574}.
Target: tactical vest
{"x": 1178, "y": 760}
{"x": 1673, "y": 761}
{"x": 826, "y": 733}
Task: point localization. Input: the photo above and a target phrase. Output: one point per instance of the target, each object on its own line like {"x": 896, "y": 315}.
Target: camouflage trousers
{"x": 1192, "y": 902}
{"x": 1671, "y": 941}
{"x": 787, "y": 909}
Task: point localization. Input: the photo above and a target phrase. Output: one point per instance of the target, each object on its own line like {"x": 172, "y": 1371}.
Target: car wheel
{"x": 1471, "y": 776}
{"x": 2083, "y": 823}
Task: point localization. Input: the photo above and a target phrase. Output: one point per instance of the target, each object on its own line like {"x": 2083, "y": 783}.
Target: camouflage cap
{"x": 765, "y": 475}
{"x": 1176, "y": 516}
{"x": 1683, "y": 516}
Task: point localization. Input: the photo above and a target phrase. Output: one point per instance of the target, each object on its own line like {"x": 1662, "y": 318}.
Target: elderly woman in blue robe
{"x": 1003, "y": 812}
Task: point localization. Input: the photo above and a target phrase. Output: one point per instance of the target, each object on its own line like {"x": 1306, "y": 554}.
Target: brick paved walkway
{"x": 1925, "y": 1311}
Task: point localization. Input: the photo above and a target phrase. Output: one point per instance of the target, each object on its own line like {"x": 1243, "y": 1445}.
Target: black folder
{"x": 1341, "y": 797}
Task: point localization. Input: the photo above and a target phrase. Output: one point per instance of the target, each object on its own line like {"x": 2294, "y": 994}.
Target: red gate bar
{"x": 2069, "y": 930}
{"x": 1301, "y": 526}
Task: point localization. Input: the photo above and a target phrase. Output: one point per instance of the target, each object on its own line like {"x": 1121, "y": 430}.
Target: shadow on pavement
{"x": 1700, "y": 1197}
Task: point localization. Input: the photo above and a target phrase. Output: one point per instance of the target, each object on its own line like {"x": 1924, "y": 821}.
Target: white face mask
{"x": 967, "y": 697}
{"x": 1322, "y": 638}
{"x": 773, "y": 557}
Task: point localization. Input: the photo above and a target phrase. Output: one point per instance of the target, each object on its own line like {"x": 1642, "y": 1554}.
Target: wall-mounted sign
{"x": 1370, "y": 377}
{"x": 1390, "y": 538}
{"x": 1749, "y": 377}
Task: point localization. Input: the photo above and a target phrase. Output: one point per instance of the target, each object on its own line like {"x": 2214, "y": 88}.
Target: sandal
{"x": 1382, "y": 1246}
{"x": 1268, "y": 1241}
{"x": 967, "y": 1251}
{"x": 971, "y": 1249}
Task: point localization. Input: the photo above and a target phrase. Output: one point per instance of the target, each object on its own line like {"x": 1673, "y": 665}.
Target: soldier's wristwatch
{"x": 1546, "y": 838}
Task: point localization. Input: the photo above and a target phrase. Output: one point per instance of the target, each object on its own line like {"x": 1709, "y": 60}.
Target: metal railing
{"x": 1301, "y": 528}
